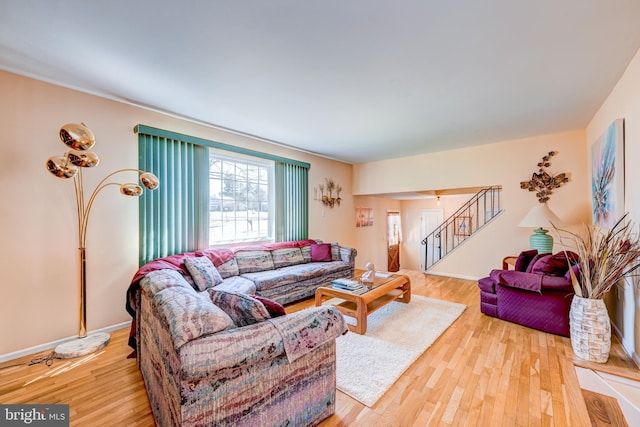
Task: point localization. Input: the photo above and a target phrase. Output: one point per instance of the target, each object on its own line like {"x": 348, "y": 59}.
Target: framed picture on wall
{"x": 364, "y": 217}
{"x": 607, "y": 176}
{"x": 462, "y": 226}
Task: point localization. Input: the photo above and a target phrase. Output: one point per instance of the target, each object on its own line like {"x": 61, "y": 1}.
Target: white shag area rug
{"x": 397, "y": 334}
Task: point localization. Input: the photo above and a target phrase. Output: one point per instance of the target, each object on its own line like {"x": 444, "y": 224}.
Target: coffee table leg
{"x": 318, "y": 298}
{"x": 406, "y": 289}
{"x": 361, "y": 317}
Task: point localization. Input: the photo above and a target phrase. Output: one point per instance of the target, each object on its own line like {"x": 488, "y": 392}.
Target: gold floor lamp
{"x": 80, "y": 139}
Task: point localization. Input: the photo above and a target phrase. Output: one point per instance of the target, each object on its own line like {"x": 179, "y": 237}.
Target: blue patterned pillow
{"x": 203, "y": 273}
{"x": 243, "y": 309}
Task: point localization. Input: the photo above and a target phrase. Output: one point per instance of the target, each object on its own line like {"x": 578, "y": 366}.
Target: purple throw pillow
{"x": 551, "y": 265}
{"x": 524, "y": 259}
{"x": 321, "y": 252}
{"x": 534, "y": 260}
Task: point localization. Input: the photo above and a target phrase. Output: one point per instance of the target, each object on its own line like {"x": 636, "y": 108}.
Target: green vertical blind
{"x": 175, "y": 218}
{"x": 292, "y": 202}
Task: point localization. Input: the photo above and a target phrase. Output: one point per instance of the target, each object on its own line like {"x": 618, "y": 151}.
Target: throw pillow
{"x": 190, "y": 315}
{"x": 524, "y": 259}
{"x": 551, "y": 265}
{"x": 274, "y": 308}
{"x": 321, "y": 252}
{"x": 204, "y": 274}
{"x": 335, "y": 252}
{"x": 243, "y": 309}
{"x": 533, "y": 261}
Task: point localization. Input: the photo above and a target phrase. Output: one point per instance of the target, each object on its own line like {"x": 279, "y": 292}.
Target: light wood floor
{"x": 481, "y": 372}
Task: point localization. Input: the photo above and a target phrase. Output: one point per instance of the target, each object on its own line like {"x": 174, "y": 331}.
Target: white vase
{"x": 590, "y": 329}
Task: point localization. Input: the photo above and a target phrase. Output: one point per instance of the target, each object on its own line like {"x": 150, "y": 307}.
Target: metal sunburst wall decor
{"x": 542, "y": 182}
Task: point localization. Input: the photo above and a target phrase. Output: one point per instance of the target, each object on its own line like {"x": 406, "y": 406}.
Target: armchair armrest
{"x": 261, "y": 341}
{"x": 517, "y": 279}
{"x": 530, "y": 281}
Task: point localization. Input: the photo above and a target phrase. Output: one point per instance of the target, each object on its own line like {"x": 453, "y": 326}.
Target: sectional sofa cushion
{"x": 204, "y": 274}
{"x": 243, "y": 309}
{"x": 285, "y": 257}
{"x": 321, "y": 252}
{"x": 335, "y": 251}
{"x": 228, "y": 268}
{"x": 270, "y": 278}
{"x": 251, "y": 261}
{"x": 189, "y": 315}
{"x": 165, "y": 278}
{"x": 237, "y": 284}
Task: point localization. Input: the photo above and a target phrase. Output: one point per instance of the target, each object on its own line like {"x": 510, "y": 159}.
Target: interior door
{"x": 394, "y": 236}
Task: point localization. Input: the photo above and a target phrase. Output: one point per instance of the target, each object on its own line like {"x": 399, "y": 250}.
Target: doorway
{"x": 394, "y": 237}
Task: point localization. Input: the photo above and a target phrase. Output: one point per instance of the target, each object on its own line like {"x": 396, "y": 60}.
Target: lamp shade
{"x": 540, "y": 216}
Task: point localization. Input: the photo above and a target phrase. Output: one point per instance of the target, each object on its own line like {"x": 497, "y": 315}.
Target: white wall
{"x": 39, "y": 301}
{"x": 624, "y": 102}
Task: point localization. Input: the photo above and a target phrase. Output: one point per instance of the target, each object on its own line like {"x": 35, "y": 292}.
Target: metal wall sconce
{"x": 325, "y": 193}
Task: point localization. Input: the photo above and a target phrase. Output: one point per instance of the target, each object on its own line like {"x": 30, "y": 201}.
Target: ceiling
{"x": 357, "y": 80}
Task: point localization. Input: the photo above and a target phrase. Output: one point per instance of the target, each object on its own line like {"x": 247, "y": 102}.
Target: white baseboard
{"x": 53, "y": 344}
{"x": 626, "y": 345}
{"x": 456, "y": 276}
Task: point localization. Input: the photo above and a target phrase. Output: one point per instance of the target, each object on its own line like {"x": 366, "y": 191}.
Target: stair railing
{"x": 468, "y": 219}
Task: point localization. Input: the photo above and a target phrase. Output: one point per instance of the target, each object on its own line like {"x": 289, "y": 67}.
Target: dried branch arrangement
{"x": 606, "y": 256}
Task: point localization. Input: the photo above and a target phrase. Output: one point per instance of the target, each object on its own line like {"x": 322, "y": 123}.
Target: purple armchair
{"x": 537, "y": 294}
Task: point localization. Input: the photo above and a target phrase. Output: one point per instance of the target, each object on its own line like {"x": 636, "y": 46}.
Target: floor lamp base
{"x": 82, "y": 346}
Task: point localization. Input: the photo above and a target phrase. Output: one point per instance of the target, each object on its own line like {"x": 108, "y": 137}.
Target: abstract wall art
{"x": 607, "y": 176}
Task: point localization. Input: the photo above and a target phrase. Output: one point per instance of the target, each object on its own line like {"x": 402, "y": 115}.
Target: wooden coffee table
{"x": 384, "y": 290}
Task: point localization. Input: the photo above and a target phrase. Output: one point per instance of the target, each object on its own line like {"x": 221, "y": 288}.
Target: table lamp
{"x": 540, "y": 216}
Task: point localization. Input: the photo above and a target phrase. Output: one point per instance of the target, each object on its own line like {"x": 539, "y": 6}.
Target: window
{"x": 240, "y": 198}
{"x": 213, "y": 193}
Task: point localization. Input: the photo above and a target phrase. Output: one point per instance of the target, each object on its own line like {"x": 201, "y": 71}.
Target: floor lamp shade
{"x": 540, "y": 217}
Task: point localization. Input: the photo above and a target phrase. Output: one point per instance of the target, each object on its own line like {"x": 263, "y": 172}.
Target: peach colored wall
{"x": 37, "y": 215}
{"x": 624, "y": 102}
{"x": 372, "y": 240}
{"x": 504, "y": 163}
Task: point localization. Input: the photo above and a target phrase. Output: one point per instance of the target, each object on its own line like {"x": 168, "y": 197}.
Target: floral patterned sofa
{"x": 283, "y": 271}
{"x": 215, "y": 346}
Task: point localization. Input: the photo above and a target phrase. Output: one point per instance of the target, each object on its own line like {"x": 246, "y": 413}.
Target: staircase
{"x": 482, "y": 208}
